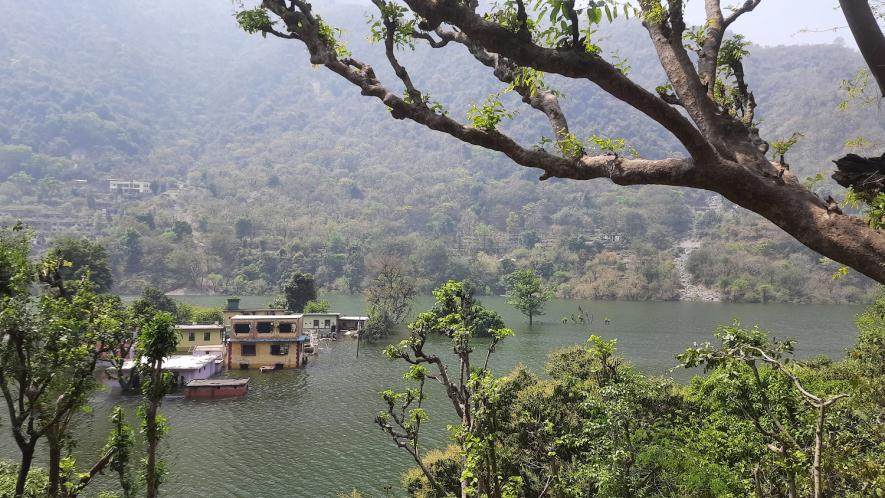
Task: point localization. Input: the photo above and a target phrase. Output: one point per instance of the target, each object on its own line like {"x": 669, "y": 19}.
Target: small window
{"x": 328, "y": 323}
{"x": 264, "y": 327}
{"x": 191, "y": 337}
{"x": 247, "y": 349}
{"x": 285, "y": 328}
{"x": 316, "y": 323}
{"x": 279, "y": 349}
{"x": 244, "y": 366}
{"x": 207, "y": 336}
{"x": 242, "y": 328}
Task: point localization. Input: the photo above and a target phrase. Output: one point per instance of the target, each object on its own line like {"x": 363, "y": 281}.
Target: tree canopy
{"x": 299, "y": 289}
{"x": 85, "y": 257}
{"x": 527, "y": 293}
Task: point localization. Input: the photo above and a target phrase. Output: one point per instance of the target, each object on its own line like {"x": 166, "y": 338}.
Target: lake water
{"x": 310, "y": 432}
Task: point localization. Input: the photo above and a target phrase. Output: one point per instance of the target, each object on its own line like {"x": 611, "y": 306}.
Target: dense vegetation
{"x": 756, "y": 424}
{"x": 57, "y": 335}
{"x": 259, "y": 169}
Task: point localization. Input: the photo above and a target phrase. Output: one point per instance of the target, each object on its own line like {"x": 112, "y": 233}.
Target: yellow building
{"x": 266, "y": 340}
{"x": 191, "y": 336}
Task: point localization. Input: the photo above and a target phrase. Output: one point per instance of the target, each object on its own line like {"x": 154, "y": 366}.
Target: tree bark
{"x": 818, "y": 448}
{"x": 55, "y": 451}
{"x": 870, "y": 40}
{"x": 27, "y": 458}
{"x": 151, "y": 431}
{"x": 151, "y": 436}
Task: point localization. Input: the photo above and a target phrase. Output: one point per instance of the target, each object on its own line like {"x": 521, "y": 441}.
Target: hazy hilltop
{"x": 274, "y": 164}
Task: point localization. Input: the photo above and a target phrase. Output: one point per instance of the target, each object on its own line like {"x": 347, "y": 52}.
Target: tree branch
{"x": 742, "y": 175}
{"x": 748, "y": 6}
{"x": 541, "y": 99}
{"x": 868, "y": 36}
{"x": 497, "y": 39}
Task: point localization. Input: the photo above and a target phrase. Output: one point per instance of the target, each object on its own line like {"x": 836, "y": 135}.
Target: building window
{"x": 279, "y": 349}
{"x": 242, "y": 328}
{"x": 207, "y": 336}
{"x": 244, "y": 366}
{"x": 191, "y": 337}
{"x": 316, "y": 323}
{"x": 285, "y": 328}
{"x": 247, "y": 349}
{"x": 328, "y": 323}
{"x": 264, "y": 327}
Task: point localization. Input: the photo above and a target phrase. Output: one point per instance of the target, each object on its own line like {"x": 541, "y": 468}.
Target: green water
{"x": 310, "y": 432}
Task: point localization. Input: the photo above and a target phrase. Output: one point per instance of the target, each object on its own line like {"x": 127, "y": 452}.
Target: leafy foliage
{"x": 299, "y": 290}
{"x": 490, "y": 114}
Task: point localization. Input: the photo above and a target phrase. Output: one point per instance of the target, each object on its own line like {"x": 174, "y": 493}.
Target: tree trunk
{"x": 151, "y": 431}
{"x": 151, "y": 436}
{"x": 54, "y": 462}
{"x": 818, "y": 448}
{"x": 868, "y": 35}
{"x": 530, "y": 320}
{"x": 24, "y": 467}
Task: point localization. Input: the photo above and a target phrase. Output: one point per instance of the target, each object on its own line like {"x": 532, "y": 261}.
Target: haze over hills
{"x": 275, "y": 165}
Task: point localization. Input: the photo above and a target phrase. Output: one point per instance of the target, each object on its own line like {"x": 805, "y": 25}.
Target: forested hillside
{"x": 259, "y": 164}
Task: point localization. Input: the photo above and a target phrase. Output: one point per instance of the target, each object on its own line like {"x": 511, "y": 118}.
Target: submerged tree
{"x": 299, "y": 289}
{"x": 391, "y": 292}
{"x": 389, "y": 296}
{"x": 706, "y": 103}
{"x": 156, "y": 341}
{"x": 526, "y": 292}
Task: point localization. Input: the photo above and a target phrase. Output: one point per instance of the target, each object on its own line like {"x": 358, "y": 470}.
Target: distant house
{"x": 128, "y": 187}
{"x": 191, "y": 336}
{"x": 266, "y": 340}
{"x": 322, "y": 324}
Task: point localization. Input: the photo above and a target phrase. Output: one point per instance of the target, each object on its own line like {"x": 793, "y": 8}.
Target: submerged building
{"x": 266, "y": 340}
{"x": 184, "y": 368}
{"x": 233, "y": 309}
{"x": 192, "y": 336}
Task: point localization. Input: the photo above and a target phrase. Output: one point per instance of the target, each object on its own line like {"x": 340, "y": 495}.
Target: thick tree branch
{"x": 868, "y": 36}
{"x": 743, "y": 176}
{"x": 691, "y": 89}
{"x": 495, "y": 38}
